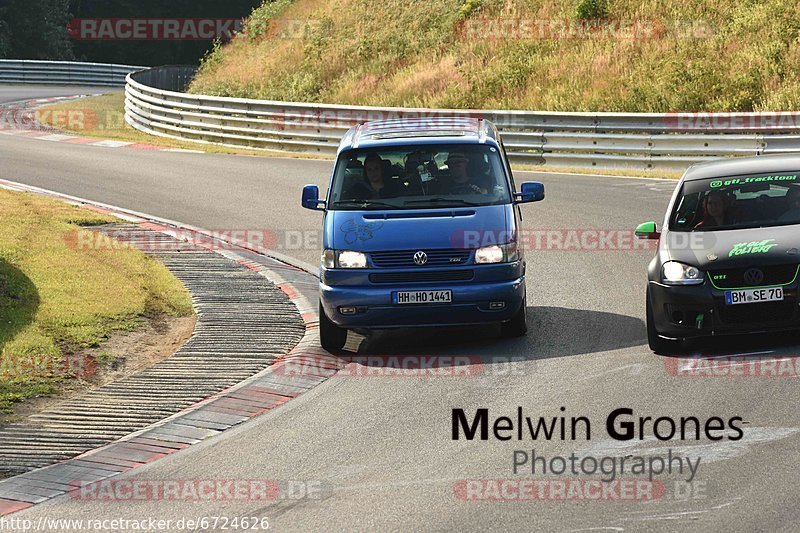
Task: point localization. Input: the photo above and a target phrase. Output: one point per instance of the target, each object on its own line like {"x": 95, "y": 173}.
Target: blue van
{"x": 421, "y": 229}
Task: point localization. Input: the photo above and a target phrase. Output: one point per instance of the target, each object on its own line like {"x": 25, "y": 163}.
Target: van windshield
{"x": 753, "y": 201}
{"x": 419, "y": 177}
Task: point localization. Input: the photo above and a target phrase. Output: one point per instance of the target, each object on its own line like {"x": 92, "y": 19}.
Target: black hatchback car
{"x": 729, "y": 253}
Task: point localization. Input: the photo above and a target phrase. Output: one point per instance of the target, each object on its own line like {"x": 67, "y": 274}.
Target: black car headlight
{"x": 675, "y": 273}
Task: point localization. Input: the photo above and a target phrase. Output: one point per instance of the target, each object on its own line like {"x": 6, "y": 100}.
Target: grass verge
{"x": 657, "y": 174}
{"x": 57, "y": 300}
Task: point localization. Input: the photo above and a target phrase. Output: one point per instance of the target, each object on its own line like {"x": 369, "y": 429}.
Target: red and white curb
{"x": 252, "y": 397}
{"x": 17, "y": 119}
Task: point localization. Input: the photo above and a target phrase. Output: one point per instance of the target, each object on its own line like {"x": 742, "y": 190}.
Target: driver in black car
{"x": 792, "y": 214}
{"x": 460, "y": 180}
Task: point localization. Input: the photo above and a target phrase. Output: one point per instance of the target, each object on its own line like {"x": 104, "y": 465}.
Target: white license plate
{"x": 752, "y": 296}
{"x": 423, "y": 297}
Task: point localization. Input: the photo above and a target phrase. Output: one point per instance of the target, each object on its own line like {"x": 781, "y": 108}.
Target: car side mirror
{"x": 531, "y": 191}
{"x": 311, "y": 198}
{"x": 648, "y": 230}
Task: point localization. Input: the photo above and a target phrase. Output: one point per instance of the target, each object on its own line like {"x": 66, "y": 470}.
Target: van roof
{"x": 420, "y": 130}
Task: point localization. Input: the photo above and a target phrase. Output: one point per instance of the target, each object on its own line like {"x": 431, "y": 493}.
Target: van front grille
{"x": 405, "y": 258}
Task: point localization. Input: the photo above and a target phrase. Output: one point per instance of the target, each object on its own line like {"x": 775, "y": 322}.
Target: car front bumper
{"x": 681, "y": 312}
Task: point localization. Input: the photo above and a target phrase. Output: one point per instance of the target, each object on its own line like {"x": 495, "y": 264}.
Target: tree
{"x": 35, "y": 29}
{"x": 5, "y": 44}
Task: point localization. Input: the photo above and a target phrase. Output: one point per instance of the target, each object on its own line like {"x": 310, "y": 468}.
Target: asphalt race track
{"x": 381, "y": 447}
{"x": 12, "y": 93}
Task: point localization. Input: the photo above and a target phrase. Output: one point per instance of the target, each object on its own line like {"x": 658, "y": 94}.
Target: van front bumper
{"x": 376, "y": 310}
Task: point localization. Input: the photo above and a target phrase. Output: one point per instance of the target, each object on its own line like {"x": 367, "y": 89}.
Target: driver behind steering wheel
{"x": 460, "y": 181}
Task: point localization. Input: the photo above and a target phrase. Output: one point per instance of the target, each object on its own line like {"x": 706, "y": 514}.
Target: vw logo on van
{"x": 420, "y": 258}
{"x": 754, "y": 276}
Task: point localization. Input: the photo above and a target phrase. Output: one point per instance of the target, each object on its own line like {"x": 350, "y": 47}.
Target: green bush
{"x": 257, "y": 24}
{"x": 468, "y": 8}
{"x": 592, "y": 9}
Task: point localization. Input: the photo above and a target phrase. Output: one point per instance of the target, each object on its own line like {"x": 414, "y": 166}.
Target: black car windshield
{"x": 419, "y": 177}
{"x": 741, "y": 202}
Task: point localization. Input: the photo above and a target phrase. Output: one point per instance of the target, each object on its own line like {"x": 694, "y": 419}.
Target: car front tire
{"x": 658, "y": 344}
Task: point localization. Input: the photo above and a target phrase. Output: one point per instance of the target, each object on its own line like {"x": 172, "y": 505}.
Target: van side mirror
{"x": 311, "y": 198}
{"x": 531, "y": 191}
{"x": 648, "y": 230}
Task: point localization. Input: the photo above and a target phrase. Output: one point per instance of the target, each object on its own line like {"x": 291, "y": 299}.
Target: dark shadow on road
{"x": 552, "y": 332}
{"x": 19, "y": 301}
{"x": 784, "y": 344}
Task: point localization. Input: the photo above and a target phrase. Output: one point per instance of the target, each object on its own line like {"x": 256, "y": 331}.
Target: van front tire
{"x": 331, "y": 337}
{"x": 517, "y": 326}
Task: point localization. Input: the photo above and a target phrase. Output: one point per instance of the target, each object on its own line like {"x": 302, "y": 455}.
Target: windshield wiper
{"x": 363, "y": 204}
{"x": 457, "y": 201}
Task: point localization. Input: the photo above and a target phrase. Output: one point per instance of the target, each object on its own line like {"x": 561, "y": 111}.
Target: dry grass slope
{"x": 709, "y": 55}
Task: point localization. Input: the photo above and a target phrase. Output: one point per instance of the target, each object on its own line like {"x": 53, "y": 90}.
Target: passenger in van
{"x": 460, "y": 181}
{"x": 419, "y": 172}
{"x": 792, "y": 213}
{"x": 376, "y": 184}
{"x": 717, "y": 210}
{"x": 422, "y": 163}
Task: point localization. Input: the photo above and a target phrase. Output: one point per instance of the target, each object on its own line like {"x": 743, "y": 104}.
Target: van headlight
{"x": 328, "y": 259}
{"x": 675, "y": 273}
{"x": 497, "y": 253}
{"x": 343, "y": 259}
{"x": 348, "y": 259}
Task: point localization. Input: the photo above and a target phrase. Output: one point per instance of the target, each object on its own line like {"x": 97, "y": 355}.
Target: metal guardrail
{"x": 155, "y": 104}
{"x": 64, "y": 72}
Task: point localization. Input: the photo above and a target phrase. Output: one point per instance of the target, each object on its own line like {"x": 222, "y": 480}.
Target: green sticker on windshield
{"x": 754, "y": 247}
{"x": 780, "y": 178}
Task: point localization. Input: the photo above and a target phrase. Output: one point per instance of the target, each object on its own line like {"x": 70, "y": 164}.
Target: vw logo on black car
{"x": 754, "y": 276}
{"x": 420, "y": 258}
